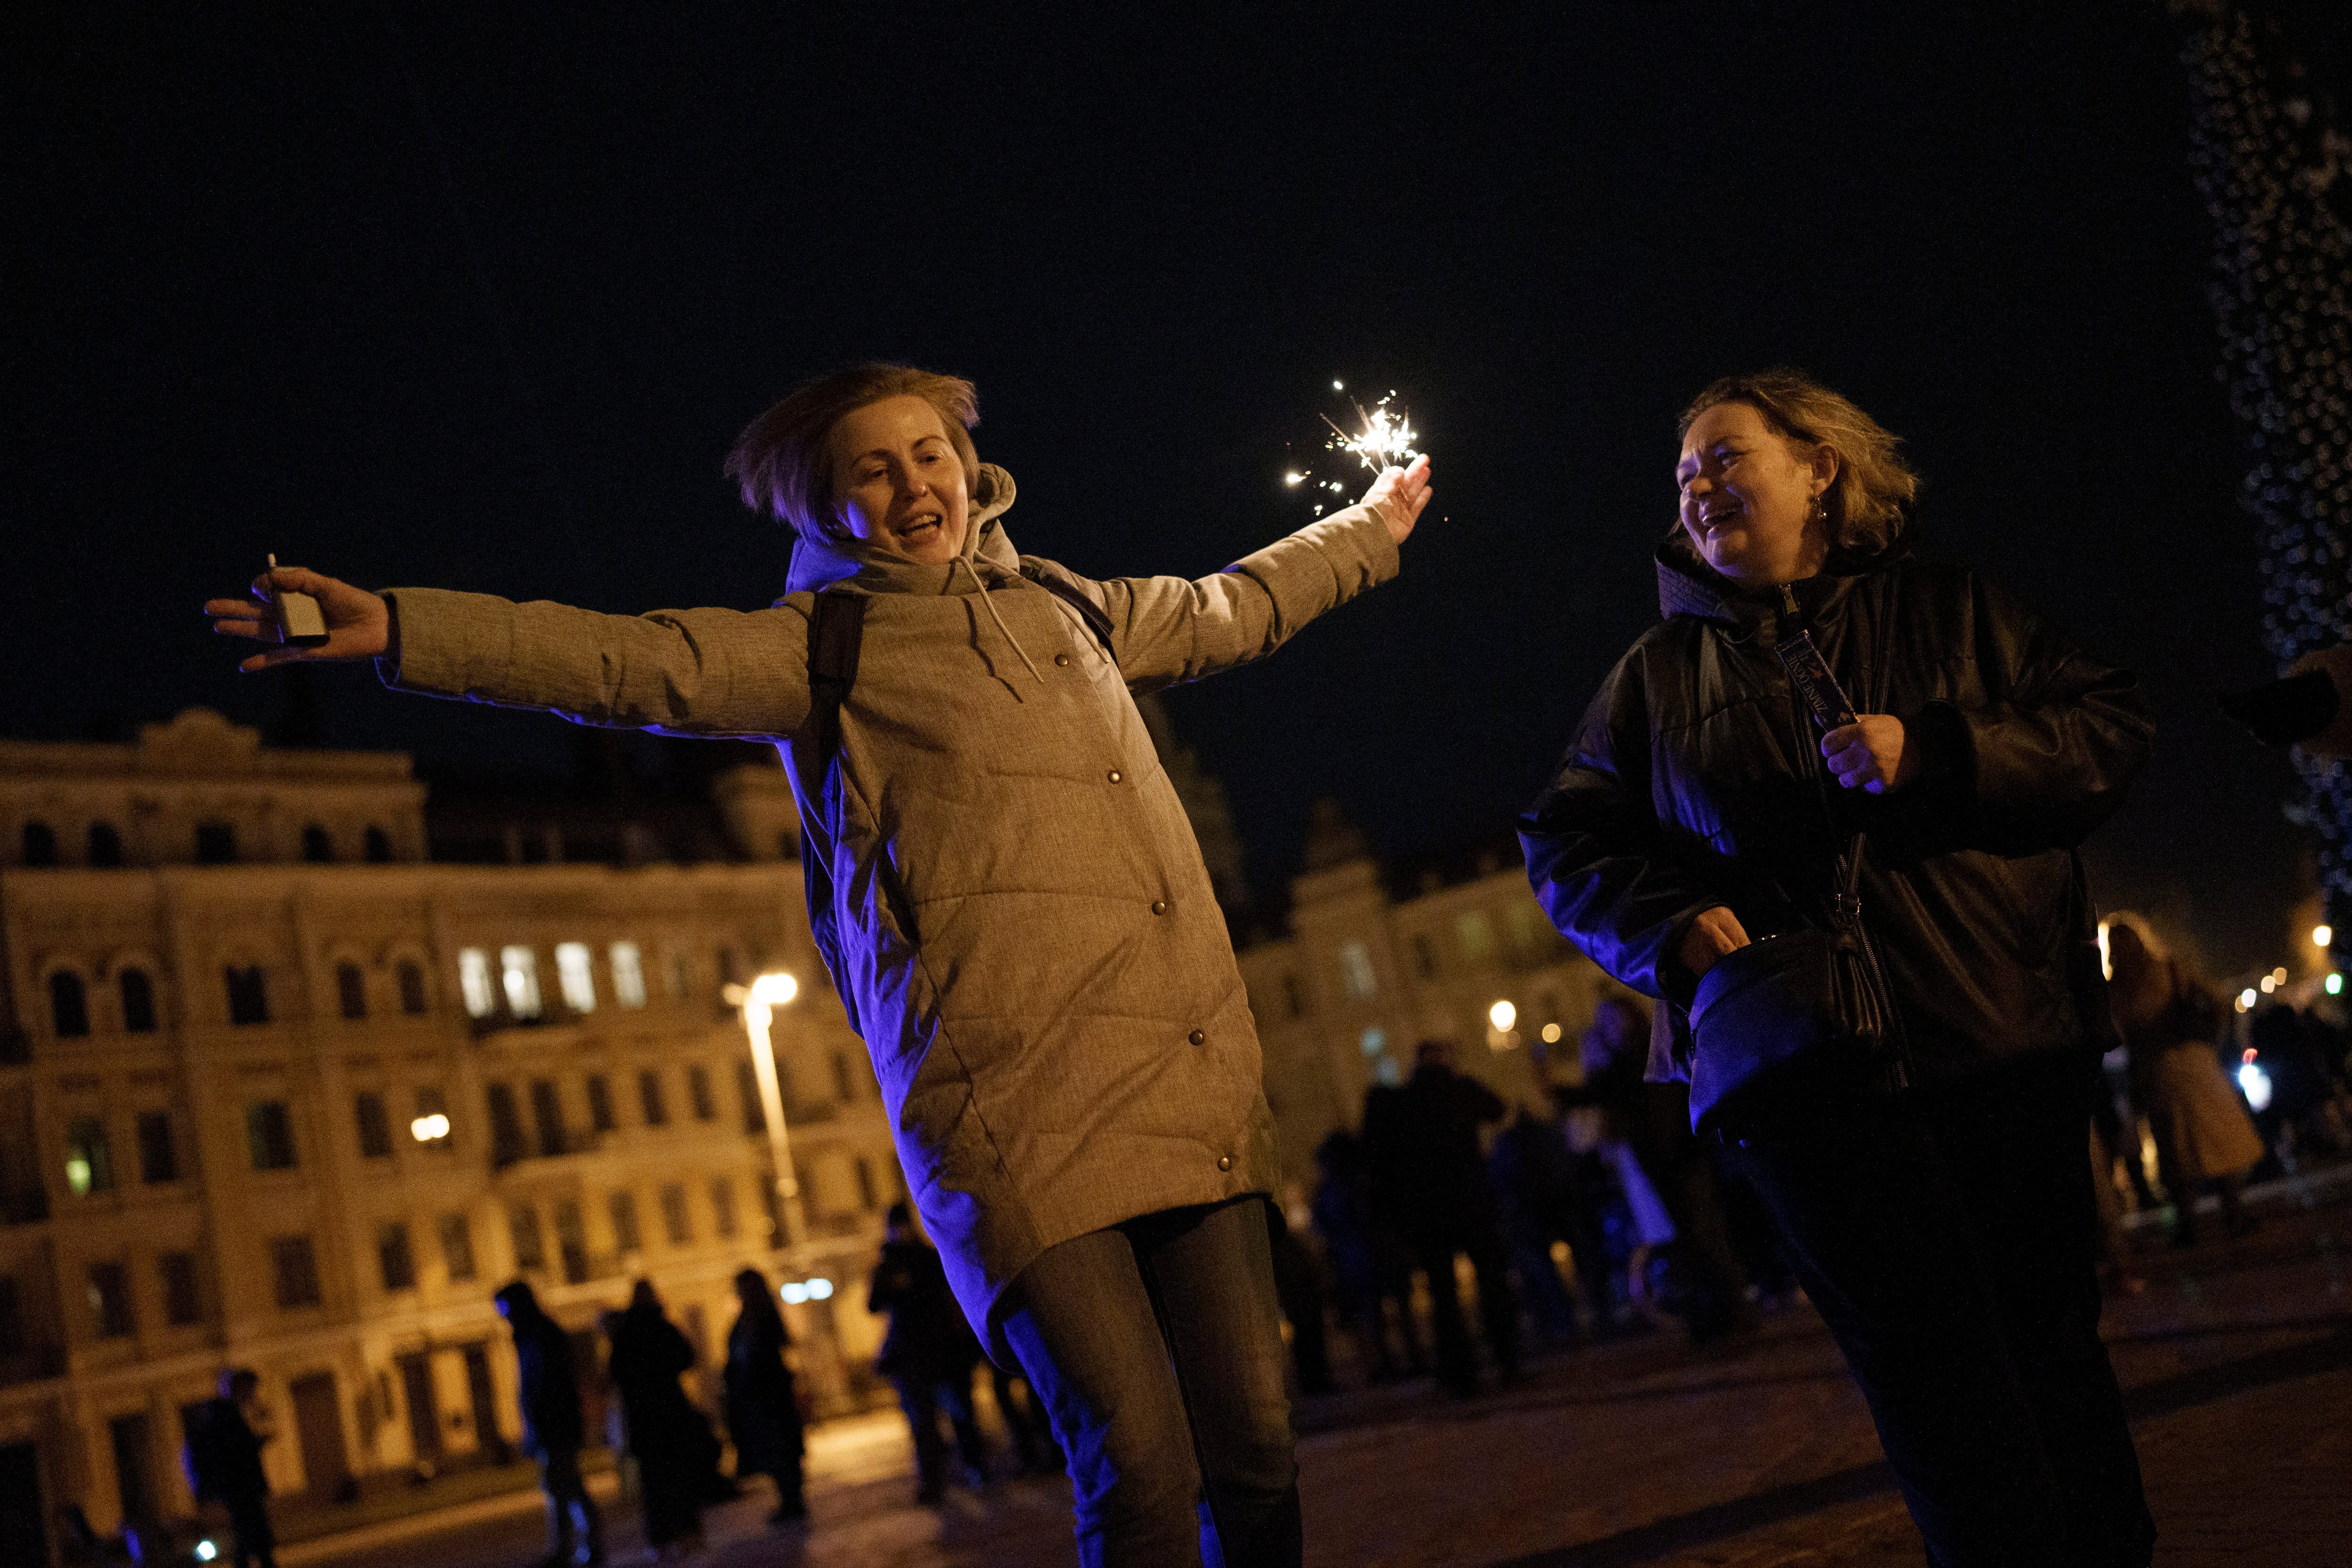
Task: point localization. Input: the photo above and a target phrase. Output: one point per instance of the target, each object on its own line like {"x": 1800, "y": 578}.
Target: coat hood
{"x": 876, "y": 568}
{"x": 1688, "y": 586}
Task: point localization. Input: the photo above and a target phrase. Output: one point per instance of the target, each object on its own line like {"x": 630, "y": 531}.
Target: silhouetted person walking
{"x": 225, "y": 1465}
{"x": 665, "y": 1431}
{"x": 1369, "y": 1262}
{"x": 1429, "y": 1140}
{"x": 764, "y": 1409}
{"x": 552, "y": 1429}
{"x": 928, "y": 1356}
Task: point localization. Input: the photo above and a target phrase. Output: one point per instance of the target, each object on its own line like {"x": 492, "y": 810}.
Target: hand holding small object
{"x": 1870, "y": 753}
{"x": 359, "y": 624}
{"x": 1712, "y": 934}
{"x": 1399, "y": 495}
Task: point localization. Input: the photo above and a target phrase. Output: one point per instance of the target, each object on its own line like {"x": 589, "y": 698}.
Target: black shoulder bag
{"x": 1806, "y": 1018}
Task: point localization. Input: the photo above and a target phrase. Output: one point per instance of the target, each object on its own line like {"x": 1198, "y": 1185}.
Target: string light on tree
{"x": 2277, "y": 174}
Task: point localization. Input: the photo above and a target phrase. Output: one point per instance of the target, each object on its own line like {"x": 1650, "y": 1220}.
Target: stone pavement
{"x": 2237, "y": 1360}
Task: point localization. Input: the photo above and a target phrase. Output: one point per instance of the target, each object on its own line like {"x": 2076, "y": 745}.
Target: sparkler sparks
{"x": 1384, "y": 438}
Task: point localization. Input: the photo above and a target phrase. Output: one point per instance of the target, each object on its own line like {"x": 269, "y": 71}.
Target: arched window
{"x": 318, "y": 848}
{"x": 412, "y": 988}
{"x": 69, "y": 1005}
{"x": 40, "y": 844}
{"x": 138, "y": 1001}
{"x": 105, "y": 844}
{"x": 350, "y": 989}
{"x": 378, "y": 846}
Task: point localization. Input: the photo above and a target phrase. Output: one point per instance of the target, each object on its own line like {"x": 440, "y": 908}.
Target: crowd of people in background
{"x": 1586, "y": 1212}
{"x": 1592, "y": 1211}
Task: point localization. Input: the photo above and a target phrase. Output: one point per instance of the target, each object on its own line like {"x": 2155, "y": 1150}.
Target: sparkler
{"x": 1384, "y": 438}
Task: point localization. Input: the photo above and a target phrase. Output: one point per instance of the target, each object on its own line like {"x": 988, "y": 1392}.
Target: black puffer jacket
{"x": 1695, "y": 779}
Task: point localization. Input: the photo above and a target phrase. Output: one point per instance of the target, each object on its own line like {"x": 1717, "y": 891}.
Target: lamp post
{"x": 767, "y": 993}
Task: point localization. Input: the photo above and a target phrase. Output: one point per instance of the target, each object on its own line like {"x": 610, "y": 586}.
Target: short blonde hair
{"x": 784, "y": 460}
{"x": 1869, "y": 503}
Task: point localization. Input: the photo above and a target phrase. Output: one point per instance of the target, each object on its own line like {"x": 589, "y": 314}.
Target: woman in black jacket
{"x": 1946, "y": 1231}
{"x": 764, "y": 1409}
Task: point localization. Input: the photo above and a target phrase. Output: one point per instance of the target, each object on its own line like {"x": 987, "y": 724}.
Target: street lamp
{"x": 759, "y": 1002}
{"x": 2322, "y": 936}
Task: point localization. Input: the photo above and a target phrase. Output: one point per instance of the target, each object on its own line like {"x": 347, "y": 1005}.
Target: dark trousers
{"x": 1157, "y": 1348}
{"x": 1499, "y": 1309}
{"x": 253, "y": 1543}
{"x": 1950, "y": 1241}
{"x": 569, "y": 1515}
{"x": 925, "y": 1400}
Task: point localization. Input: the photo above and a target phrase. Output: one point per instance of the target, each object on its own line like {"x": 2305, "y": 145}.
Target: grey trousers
{"x": 1156, "y": 1347}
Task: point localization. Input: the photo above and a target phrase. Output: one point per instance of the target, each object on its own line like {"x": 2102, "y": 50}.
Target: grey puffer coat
{"x": 1030, "y": 946}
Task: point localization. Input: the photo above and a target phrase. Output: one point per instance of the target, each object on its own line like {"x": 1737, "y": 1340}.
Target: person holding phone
{"x": 1016, "y": 912}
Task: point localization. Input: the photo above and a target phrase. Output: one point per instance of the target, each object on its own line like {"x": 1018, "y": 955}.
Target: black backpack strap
{"x": 837, "y": 628}
{"x": 1097, "y": 619}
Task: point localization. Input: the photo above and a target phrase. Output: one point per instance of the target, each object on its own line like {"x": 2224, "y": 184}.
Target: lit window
{"x": 89, "y": 1164}
{"x": 572, "y": 972}
{"x": 628, "y": 974}
{"x": 519, "y": 967}
{"x": 1356, "y": 970}
{"x": 474, "y": 979}
{"x": 1477, "y": 934}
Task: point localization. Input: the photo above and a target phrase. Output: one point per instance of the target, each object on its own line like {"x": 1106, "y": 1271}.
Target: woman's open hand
{"x": 1870, "y": 753}
{"x": 1398, "y": 494}
{"x": 359, "y": 624}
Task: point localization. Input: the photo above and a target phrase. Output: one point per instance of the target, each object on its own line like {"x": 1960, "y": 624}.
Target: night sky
{"x": 478, "y": 298}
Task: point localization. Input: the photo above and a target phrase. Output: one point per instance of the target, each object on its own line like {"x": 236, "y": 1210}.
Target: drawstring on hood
{"x": 873, "y": 567}
{"x": 993, "y": 615}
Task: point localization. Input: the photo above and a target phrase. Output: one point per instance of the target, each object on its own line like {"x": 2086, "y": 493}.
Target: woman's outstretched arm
{"x": 688, "y": 672}
{"x": 1168, "y": 630}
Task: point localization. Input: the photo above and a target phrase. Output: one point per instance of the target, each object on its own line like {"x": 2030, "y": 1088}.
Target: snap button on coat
{"x": 1198, "y": 1037}
{"x": 1062, "y": 660}
{"x": 1159, "y": 906}
{"x": 1116, "y": 776}
{"x": 1225, "y": 1161}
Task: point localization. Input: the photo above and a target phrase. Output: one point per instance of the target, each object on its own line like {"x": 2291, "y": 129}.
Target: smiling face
{"x": 1748, "y": 496}
{"x": 898, "y": 480}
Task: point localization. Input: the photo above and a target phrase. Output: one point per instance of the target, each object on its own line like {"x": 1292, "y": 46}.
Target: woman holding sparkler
{"x": 1008, "y": 894}
{"x": 1698, "y": 841}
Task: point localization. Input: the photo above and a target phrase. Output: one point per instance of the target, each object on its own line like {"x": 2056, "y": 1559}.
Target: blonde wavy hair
{"x": 783, "y": 460}
{"x": 1869, "y": 503}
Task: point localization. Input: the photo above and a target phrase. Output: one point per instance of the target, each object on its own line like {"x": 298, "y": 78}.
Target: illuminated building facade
{"x": 278, "y": 1092}
{"x": 1366, "y": 971}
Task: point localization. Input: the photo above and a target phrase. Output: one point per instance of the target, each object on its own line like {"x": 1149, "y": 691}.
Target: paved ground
{"x": 2237, "y": 1360}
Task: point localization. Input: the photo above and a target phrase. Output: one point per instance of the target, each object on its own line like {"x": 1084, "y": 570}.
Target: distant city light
{"x": 1551, "y": 1034}
{"x": 2323, "y": 935}
{"x": 205, "y": 1551}
{"x": 2245, "y": 1001}
{"x": 794, "y": 1293}
{"x": 2256, "y": 1084}
{"x": 819, "y": 1290}
{"x": 2279, "y": 975}
{"x": 2269, "y": 984}
{"x": 1337, "y": 388}
{"x": 77, "y": 1176}
{"x": 2335, "y": 985}
{"x": 425, "y": 1129}
{"x": 1294, "y": 479}
{"x": 1501, "y": 1014}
